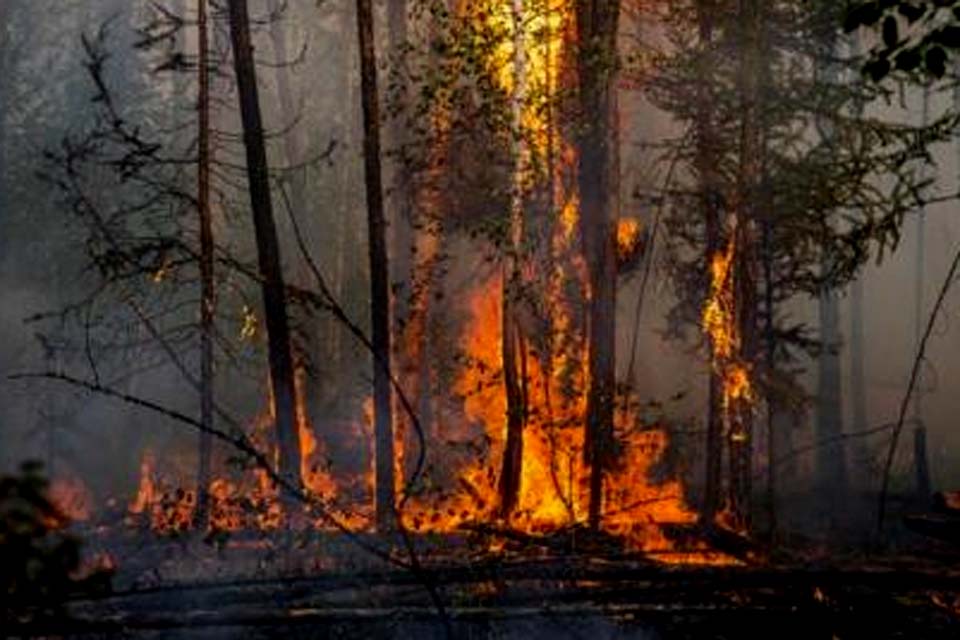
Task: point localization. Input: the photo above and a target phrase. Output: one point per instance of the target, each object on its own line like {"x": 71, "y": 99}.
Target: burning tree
{"x": 789, "y": 188}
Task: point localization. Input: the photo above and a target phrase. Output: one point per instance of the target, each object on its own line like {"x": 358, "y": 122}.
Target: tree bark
{"x": 597, "y": 25}
{"x": 207, "y": 293}
{"x": 711, "y": 197}
{"x": 292, "y": 147}
{"x": 379, "y": 269}
{"x": 268, "y": 247}
{"x": 831, "y": 459}
{"x": 749, "y": 179}
{"x": 5, "y": 69}
{"x": 512, "y": 337}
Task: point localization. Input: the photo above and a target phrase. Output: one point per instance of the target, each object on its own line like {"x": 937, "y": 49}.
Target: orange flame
{"x": 719, "y": 321}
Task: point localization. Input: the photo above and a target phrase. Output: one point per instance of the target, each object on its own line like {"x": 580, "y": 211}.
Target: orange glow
{"x": 628, "y": 237}
{"x": 464, "y": 489}
{"x": 719, "y": 321}
{"x": 72, "y": 498}
{"x": 553, "y": 480}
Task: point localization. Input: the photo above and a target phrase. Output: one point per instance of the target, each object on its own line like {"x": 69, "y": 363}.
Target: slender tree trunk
{"x": 858, "y": 387}
{"x": 292, "y": 148}
{"x": 597, "y": 25}
{"x": 858, "y": 383}
{"x": 711, "y": 197}
{"x": 5, "y": 84}
{"x": 749, "y": 181}
{"x": 920, "y": 462}
{"x": 426, "y": 254}
{"x": 512, "y": 338}
{"x": 379, "y": 269}
{"x": 268, "y": 247}
{"x": 207, "y": 294}
{"x": 831, "y": 459}
{"x": 770, "y": 340}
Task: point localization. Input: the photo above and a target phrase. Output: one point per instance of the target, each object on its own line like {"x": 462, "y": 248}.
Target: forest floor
{"x": 251, "y": 588}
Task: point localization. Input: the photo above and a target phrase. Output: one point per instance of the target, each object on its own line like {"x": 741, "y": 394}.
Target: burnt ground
{"x": 252, "y": 589}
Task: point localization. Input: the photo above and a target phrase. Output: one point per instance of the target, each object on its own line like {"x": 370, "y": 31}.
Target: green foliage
{"x": 837, "y": 179}
{"x": 918, "y": 38}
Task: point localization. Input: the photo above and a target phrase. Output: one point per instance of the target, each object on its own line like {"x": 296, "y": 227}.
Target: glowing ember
{"x": 628, "y": 238}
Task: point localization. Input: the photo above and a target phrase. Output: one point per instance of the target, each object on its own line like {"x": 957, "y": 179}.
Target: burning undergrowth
{"x": 458, "y": 494}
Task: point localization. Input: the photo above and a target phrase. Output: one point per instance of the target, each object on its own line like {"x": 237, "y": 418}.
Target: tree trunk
{"x": 858, "y": 383}
{"x": 379, "y": 269}
{"x": 831, "y": 459}
{"x": 597, "y": 25}
{"x": 711, "y": 197}
{"x": 5, "y": 69}
{"x": 292, "y": 147}
{"x": 749, "y": 180}
{"x": 770, "y": 360}
{"x": 268, "y": 248}
{"x": 426, "y": 253}
{"x": 207, "y": 293}
{"x": 920, "y": 463}
{"x": 512, "y": 337}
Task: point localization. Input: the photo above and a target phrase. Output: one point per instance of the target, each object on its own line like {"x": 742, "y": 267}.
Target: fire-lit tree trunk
{"x": 597, "y": 25}
{"x": 268, "y": 247}
{"x": 207, "y": 293}
{"x": 425, "y": 253}
{"x": 749, "y": 179}
{"x": 711, "y": 197}
{"x": 379, "y": 269}
{"x": 512, "y": 338}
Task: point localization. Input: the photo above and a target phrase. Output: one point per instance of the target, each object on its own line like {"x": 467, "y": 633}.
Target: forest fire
{"x": 499, "y": 318}
{"x": 552, "y": 491}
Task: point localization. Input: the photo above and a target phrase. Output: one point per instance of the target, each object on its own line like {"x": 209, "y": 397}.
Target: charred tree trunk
{"x": 711, "y": 197}
{"x": 597, "y": 25}
{"x": 920, "y": 462}
{"x": 292, "y": 146}
{"x": 749, "y": 179}
{"x": 5, "y": 69}
{"x": 858, "y": 383}
{"x": 831, "y": 459}
{"x": 207, "y": 293}
{"x": 268, "y": 247}
{"x": 379, "y": 269}
{"x": 774, "y": 402}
